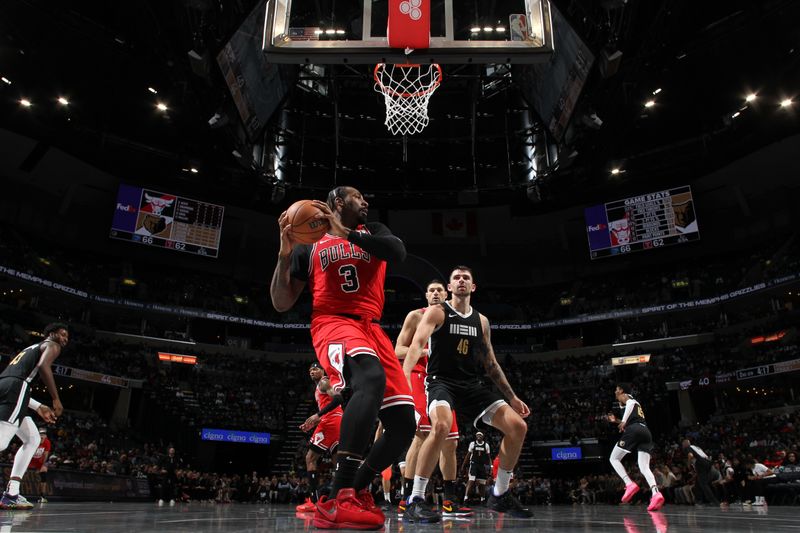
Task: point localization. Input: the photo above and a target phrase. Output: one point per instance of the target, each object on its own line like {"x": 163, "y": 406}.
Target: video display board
{"x": 643, "y": 222}
{"x": 154, "y": 218}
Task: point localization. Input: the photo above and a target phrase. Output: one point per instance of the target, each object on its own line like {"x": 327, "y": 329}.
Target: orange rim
{"x": 392, "y": 92}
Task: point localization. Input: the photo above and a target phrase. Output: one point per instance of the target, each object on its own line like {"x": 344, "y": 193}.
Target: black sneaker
{"x": 451, "y": 509}
{"x": 420, "y": 512}
{"x": 507, "y": 503}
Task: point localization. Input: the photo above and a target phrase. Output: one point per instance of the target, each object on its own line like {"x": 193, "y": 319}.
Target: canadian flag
{"x": 455, "y": 224}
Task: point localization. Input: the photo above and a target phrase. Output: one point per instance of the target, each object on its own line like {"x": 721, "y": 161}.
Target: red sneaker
{"x": 346, "y": 511}
{"x": 307, "y": 507}
{"x": 369, "y": 504}
{"x": 656, "y": 502}
{"x": 630, "y": 490}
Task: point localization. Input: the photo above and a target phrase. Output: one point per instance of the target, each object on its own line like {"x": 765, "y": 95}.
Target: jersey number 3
{"x": 350, "y": 276}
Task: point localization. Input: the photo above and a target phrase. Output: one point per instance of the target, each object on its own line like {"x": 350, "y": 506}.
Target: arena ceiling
{"x": 696, "y": 60}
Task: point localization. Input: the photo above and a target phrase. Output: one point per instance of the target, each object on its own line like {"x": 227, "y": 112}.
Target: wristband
{"x": 33, "y": 404}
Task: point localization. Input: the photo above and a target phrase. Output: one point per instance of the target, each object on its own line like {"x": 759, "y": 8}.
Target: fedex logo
{"x": 125, "y": 208}
{"x": 597, "y": 227}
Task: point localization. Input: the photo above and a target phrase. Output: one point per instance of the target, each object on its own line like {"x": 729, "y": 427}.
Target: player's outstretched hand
{"x": 520, "y": 407}
{"x": 47, "y": 414}
{"x": 310, "y": 422}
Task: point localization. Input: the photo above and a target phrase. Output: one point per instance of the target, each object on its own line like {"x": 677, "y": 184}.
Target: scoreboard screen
{"x": 168, "y": 221}
{"x": 642, "y": 222}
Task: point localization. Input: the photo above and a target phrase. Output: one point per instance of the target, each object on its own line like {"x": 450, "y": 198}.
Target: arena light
{"x": 330, "y": 32}
{"x": 475, "y": 29}
{"x": 24, "y": 102}
{"x": 786, "y": 102}
{"x": 736, "y": 114}
{"x": 152, "y": 90}
{"x": 650, "y": 103}
{"x": 500, "y": 29}
{"x": 63, "y": 101}
{"x": 318, "y": 32}
{"x": 657, "y": 91}
{"x": 339, "y": 32}
{"x": 6, "y": 80}
{"x": 750, "y": 97}
{"x": 487, "y": 28}
{"x": 616, "y": 171}
{"x": 193, "y": 170}
{"x": 130, "y": 282}
{"x": 161, "y": 106}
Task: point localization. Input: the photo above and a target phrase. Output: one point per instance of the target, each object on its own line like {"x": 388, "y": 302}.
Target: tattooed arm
{"x": 485, "y": 354}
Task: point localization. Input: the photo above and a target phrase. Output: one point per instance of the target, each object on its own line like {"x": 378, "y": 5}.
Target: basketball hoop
{"x": 406, "y": 90}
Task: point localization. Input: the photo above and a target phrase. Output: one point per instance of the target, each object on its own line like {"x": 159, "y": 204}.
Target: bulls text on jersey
{"x": 341, "y": 251}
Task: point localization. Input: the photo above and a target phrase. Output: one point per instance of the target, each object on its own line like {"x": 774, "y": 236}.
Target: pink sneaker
{"x": 630, "y": 490}
{"x": 656, "y": 502}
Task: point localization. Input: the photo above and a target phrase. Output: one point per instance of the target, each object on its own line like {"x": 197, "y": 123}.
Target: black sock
{"x": 312, "y": 485}
{"x": 398, "y": 431}
{"x": 450, "y": 490}
{"x": 346, "y": 468}
{"x": 408, "y": 488}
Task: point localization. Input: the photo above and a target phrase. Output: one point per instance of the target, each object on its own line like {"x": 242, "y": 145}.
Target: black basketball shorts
{"x": 636, "y": 437}
{"x": 14, "y": 396}
{"x": 471, "y": 399}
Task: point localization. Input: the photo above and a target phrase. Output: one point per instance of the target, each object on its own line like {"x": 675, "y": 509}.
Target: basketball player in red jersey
{"x": 326, "y": 435}
{"x": 435, "y": 293}
{"x": 345, "y": 272}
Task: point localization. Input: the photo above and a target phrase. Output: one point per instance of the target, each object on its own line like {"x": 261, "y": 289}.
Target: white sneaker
{"x": 172, "y": 503}
{"x": 160, "y": 503}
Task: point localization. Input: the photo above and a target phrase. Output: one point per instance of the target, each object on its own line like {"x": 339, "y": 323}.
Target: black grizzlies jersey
{"x": 25, "y": 365}
{"x": 480, "y": 453}
{"x": 637, "y": 415}
{"x": 453, "y": 345}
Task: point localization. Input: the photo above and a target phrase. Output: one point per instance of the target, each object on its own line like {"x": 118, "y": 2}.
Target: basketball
{"x": 306, "y": 229}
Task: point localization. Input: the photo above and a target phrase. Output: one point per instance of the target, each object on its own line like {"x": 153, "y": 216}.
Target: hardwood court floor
{"x": 200, "y": 517}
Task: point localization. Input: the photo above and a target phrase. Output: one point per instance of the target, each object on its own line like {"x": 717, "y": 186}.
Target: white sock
{"x": 13, "y": 487}
{"x": 501, "y": 483}
{"x": 387, "y": 497}
{"x": 420, "y": 484}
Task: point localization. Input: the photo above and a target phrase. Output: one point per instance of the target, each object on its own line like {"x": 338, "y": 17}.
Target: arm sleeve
{"x": 33, "y": 404}
{"x": 629, "y": 406}
{"x": 379, "y": 242}
{"x": 488, "y": 450}
{"x": 336, "y": 400}
{"x": 301, "y": 257}
{"x": 699, "y": 452}
{"x": 471, "y": 447}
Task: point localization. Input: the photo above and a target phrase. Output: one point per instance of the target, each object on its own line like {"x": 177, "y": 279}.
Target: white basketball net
{"x": 406, "y": 91}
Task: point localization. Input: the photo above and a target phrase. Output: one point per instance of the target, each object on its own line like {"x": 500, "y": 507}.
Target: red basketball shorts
{"x": 326, "y": 434}
{"x": 421, "y": 406}
{"x": 335, "y": 338}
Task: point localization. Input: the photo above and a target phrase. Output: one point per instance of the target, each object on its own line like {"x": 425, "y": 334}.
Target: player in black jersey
{"x": 480, "y": 462}
{"x": 15, "y": 400}
{"x": 460, "y": 340}
{"x": 635, "y": 437}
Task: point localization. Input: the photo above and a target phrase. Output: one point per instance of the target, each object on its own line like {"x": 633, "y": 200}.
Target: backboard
{"x": 354, "y": 32}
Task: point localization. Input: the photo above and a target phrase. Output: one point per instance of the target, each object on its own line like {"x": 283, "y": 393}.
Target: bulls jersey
{"x": 342, "y": 278}
{"x": 25, "y": 365}
{"x": 323, "y": 399}
{"x": 480, "y": 453}
{"x": 453, "y": 345}
{"x": 38, "y": 456}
